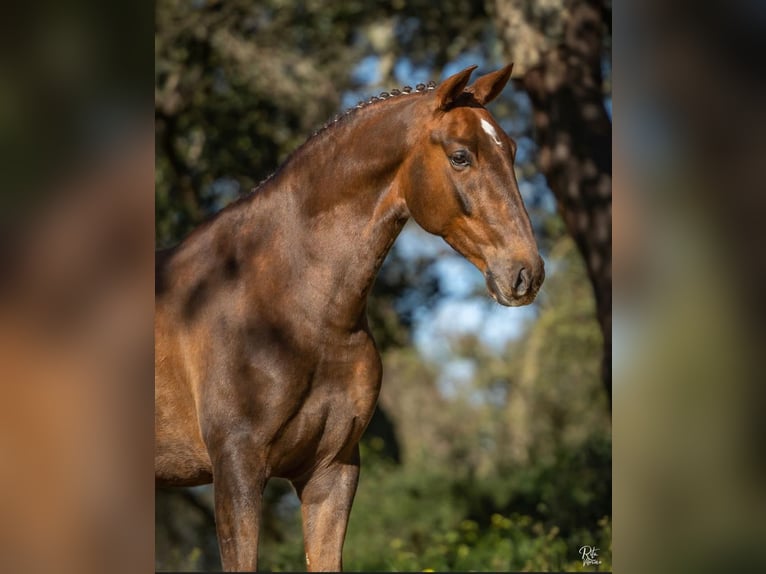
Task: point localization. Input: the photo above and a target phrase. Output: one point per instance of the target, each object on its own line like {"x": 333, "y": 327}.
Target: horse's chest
{"x": 336, "y": 409}
{"x": 343, "y": 395}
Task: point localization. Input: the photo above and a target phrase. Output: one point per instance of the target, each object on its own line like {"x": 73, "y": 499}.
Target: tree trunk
{"x": 574, "y": 135}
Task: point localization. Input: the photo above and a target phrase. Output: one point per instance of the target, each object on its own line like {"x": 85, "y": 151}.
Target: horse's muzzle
{"x": 518, "y": 285}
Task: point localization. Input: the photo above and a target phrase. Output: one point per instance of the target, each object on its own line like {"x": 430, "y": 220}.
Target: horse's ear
{"x": 488, "y": 87}
{"x": 449, "y": 90}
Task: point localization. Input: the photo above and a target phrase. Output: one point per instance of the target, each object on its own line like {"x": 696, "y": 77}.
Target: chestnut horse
{"x": 264, "y": 361}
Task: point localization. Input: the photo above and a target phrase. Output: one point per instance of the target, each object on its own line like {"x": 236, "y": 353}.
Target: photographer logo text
{"x": 589, "y": 555}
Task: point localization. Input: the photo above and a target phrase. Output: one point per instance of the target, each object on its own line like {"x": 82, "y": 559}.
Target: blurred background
{"x": 491, "y": 445}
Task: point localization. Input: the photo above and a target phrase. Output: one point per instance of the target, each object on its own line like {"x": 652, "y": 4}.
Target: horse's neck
{"x": 340, "y": 211}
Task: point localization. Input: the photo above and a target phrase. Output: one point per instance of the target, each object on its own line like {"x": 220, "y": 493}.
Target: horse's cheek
{"x": 420, "y": 193}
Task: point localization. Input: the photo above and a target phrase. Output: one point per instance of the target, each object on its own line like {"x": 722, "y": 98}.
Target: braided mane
{"x": 406, "y": 90}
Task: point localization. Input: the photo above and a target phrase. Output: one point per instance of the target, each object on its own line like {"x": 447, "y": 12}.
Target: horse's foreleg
{"x": 326, "y": 500}
{"x": 238, "y": 482}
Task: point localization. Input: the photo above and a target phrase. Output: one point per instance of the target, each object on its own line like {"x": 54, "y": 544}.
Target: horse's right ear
{"x": 449, "y": 90}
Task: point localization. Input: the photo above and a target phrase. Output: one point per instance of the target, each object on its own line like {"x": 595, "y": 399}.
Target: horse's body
{"x": 264, "y": 362}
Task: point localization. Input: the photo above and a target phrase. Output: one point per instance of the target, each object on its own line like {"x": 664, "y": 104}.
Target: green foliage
{"x": 428, "y": 517}
{"x": 184, "y": 530}
{"x": 185, "y": 562}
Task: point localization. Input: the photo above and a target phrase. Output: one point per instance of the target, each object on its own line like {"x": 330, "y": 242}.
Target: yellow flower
{"x": 500, "y": 521}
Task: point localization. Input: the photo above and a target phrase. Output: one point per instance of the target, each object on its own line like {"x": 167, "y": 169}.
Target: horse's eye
{"x": 460, "y": 159}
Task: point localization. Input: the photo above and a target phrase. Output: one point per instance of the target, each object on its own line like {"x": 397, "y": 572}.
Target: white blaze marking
{"x": 489, "y": 128}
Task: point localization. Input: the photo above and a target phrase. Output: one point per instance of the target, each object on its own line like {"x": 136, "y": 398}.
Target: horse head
{"x": 459, "y": 183}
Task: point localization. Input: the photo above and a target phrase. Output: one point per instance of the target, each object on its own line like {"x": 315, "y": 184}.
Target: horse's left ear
{"x": 488, "y": 87}
{"x": 451, "y": 88}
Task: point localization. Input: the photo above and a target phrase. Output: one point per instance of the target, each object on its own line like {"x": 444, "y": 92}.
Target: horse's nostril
{"x": 521, "y": 284}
